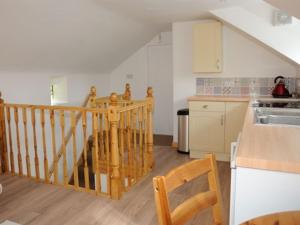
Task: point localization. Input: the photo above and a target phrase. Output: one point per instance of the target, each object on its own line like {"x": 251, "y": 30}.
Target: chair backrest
{"x": 175, "y": 178}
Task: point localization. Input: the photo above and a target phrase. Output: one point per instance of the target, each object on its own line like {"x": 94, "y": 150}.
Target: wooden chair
{"x": 284, "y": 218}
{"x": 175, "y": 178}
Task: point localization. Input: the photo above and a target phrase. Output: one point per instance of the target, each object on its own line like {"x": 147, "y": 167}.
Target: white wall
{"x": 136, "y": 65}
{"x": 243, "y": 57}
{"x": 34, "y": 88}
{"x": 150, "y": 66}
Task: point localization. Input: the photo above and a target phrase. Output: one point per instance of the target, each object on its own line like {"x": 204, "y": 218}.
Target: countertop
{"x": 215, "y": 98}
{"x": 270, "y": 147}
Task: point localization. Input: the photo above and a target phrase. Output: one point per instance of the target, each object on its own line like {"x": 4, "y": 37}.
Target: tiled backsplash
{"x": 240, "y": 86}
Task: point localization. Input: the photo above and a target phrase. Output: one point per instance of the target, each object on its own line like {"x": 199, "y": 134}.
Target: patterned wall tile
{"x": 218, "y": 90}
{"x": 239, "y": 86}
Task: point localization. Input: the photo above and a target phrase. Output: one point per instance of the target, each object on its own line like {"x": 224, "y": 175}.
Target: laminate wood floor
{"x": 29, "y": 203}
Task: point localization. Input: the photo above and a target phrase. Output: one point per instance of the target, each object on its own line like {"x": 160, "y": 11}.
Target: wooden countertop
{"x": 270, "y": 147}
{"x": 214, "y": 98}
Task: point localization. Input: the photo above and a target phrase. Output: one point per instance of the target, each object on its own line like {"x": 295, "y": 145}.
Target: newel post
{"x": 3, "y": 145}
{"x": 93, "y": 96}
{"x": 150, "y": 107}
{"x": 114, "y": 117}
{"x": 127, "y": 94}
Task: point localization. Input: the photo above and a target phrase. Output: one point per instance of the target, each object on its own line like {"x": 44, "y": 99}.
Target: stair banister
{"x": 150, "y": 107}
{"x": 90, "y": 101}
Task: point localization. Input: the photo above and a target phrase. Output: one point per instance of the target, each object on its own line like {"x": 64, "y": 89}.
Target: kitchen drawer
{"x": 207, "y": 106}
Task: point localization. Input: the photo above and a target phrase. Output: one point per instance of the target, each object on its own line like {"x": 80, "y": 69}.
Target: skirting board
{"x": 174, "y": 145}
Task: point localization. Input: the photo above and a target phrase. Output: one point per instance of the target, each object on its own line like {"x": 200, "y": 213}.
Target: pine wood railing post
{"x": 93, "y": 96}
{"x": 127, "y": 94}
{"x": 114, "y": 117}
{"x": 150, "y": 100}
{"x": 3, "y": 144}
{"x": 36, "y": 157}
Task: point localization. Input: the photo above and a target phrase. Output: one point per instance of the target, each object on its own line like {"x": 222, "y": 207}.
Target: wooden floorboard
{"x": 29, "y": 203}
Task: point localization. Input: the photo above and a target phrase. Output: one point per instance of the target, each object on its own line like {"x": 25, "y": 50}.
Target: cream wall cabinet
{"x": 213, "y": 126}
{"x": 207, "y": 47}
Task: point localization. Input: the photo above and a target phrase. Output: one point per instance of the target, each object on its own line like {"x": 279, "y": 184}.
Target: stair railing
{"x": 88, "y": 101}
{"x": 122, "y": 139}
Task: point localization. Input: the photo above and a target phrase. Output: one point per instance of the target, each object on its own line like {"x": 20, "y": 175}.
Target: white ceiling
{"x": 87, "y": 36}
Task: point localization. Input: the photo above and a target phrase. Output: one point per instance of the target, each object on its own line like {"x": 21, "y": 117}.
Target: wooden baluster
{"x": 145, "y": 169}
{"x": 20, "y": 163}
{"x": 141, "y": 141}
{"x": 107, "y": 152}
{"x": 114, "y": 117}
{"x": 129, "y": 147}
{"x": 134, "y": 114}
{"x": 4, "y": 153}
{"x": 28, "y": 166}
{"x": 121, "y": 144}
{"x": 55, "y": 164}
{"x": 2, "y": 148}
{"x": 63, "y": 145}
{"x": 86, "y": 169}
{"x": 101, "y": 147}
{"x": 75, "y": 164}
{"x": 150, "y": 127}
{"x": 11, "y": 151}
{"x": 96, "y": 154}
{"x": 46, "y": 166}
{"x": 36, "y": 157}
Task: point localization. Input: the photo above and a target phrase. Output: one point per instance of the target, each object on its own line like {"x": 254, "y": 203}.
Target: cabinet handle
{"x": 222, "y": 120}
{"x": 205, "y": 106}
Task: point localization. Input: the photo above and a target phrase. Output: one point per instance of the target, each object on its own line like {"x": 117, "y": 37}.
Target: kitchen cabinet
{"x": 235, "y": 116}
{"x": 202, "y": 126}
{"x": 213, "y": 126}
{"x": 207, "y": 47}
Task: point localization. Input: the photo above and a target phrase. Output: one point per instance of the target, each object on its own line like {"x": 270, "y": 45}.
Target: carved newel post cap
{"x": 113, "y": 99}
{"x": 93, "y": 91}
{"x": 150, "y": 92}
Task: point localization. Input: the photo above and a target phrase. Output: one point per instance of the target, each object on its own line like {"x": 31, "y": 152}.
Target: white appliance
{"x": 233, "y": 152}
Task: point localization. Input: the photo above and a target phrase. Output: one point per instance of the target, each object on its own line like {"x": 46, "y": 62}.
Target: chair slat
{"x": 186, "y": 173}
{"x": 193, "y": 205}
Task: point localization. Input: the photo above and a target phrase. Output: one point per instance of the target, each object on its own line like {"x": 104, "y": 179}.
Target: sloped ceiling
{"x": 256, "y": 20}
{"x": 86, "y": 36}
{"x": 290, "y": 6}
{"x": 67, "y": 36}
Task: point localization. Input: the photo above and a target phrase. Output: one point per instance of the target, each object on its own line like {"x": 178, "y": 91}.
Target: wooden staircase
{"x": 80, "y": 164}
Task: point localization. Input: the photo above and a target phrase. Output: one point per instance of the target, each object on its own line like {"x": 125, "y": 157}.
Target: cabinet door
{"x": 206, "y": 131}
{"x": 207, "y": 47}
{"x": 235, "y": 116}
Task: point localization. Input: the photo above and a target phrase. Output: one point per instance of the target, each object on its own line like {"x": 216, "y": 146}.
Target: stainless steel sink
{"x": 275, "y": 116}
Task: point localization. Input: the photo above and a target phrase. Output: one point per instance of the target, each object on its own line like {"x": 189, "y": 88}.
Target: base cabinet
{"x": 213, "y": 126}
